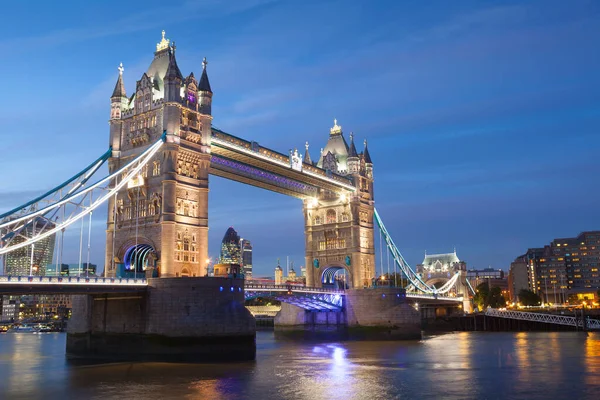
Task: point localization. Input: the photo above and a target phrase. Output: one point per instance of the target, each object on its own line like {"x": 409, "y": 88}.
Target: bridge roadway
{"x": 314, "y": 298}
{"x": 24, "y": 285}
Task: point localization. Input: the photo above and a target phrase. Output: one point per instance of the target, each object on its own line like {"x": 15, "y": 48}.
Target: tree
{"x": 486, "y": 297}
{"x": 529, "y": 298}
{"x": 482, "y": 292}
{"x": 495, "y": 298}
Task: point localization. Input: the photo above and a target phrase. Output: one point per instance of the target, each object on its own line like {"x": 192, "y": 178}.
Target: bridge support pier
{"x": 371, "y": 314}
{"x": 176, "y": 320}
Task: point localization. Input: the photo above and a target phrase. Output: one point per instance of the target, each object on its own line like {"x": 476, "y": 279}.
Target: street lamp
{"x": 207, "y": 265}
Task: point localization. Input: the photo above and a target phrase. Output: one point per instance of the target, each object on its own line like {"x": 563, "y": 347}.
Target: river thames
{"x": 562, "y": 365}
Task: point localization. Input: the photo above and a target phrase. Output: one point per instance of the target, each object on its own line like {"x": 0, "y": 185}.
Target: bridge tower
{"x": 339, "y": 225}
{"x": 159, "y": 223}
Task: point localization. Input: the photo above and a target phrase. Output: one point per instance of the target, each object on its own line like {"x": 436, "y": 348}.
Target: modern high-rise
{"x": 231, "y": 252}
{"x": 567, "y": 266}
{"x": 246, "y": 246}
{"x": 20, "y": 262}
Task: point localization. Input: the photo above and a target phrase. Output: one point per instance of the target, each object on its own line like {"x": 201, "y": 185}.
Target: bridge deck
{"x": 23, "y": 285}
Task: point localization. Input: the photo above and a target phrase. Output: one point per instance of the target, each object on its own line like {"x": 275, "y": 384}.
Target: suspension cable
{"x": 141, "y": 161}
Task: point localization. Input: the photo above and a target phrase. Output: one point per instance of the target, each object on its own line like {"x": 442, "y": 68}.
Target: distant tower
{"x": 278, "y": 274}
{"x": 292, "y": 276}
{"x": 231, "y": 252}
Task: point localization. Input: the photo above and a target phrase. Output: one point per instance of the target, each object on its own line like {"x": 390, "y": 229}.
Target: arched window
{"x": 318, "y": 220}
{"x": 331, "y": 217}
{"x": 345, "y": 217}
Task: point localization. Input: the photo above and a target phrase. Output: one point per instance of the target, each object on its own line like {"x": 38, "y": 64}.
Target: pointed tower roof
{"x": 367, "y": 155}
{"x": 307, "y": 155}
{"x": 173, "y": 70}
{"x": 120, "y": 86}
{"x": 337, "y": 146}
{"x": 352, "y": 153}
{"x": 204, "y": 84}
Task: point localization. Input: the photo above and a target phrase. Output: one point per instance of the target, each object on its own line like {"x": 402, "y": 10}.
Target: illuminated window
{"x": 331, "y": 217}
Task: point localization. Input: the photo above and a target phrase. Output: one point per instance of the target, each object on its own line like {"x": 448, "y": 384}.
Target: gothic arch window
{"x": 154, "y": 120}
{"x": 186, "y": 209}
{"x": 186, "y": 249}
{"x": 318, "y": 220}
{"x": 331, "y": 217}
{"x": 147, "y": 102}
{"x": 345, "y": 217}
{"x": 185, "y": 272}
{"x": 156, "y": 168}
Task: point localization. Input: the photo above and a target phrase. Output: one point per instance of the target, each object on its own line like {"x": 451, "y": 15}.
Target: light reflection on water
{"x": 464, "y": 365}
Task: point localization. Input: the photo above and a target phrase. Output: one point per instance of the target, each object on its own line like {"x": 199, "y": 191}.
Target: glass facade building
{"x": 20, "y": 261}
{"x": 231, "y": 252}
{"x": 247, "y": 258}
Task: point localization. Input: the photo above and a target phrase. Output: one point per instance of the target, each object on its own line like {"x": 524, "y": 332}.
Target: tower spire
{"x": 120, "y": 86}
{"x": 367, "y": 155}
{"x": 204, "y": 84}
{"x": 307, "y": 154}
{"x": 353, "y": 152}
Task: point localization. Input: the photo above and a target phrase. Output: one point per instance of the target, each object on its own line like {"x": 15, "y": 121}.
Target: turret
{"x": 353, "y": 160}
{"x": 118, "y": 100}
{"x": 368, "y": 162}
{"x": 307, "y": 155}
{"x": 278, "y": 274}
{"x": 173, "y": 78}
{"x": 204, "y": 91}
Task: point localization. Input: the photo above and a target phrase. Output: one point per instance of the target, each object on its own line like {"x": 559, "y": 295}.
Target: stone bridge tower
{"x": 339, "y": 225}
{"x": 158, "y": 225}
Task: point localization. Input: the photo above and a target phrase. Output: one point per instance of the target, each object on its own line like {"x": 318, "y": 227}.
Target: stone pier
{"x": 373, "y": 314}
{"x": 176, "y": 320}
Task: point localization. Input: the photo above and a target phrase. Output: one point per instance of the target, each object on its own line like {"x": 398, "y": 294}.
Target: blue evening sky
{"x": 482, "y": 117}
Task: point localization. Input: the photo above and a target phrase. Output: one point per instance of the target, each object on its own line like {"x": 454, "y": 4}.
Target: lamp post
{"x": 207, "y": 265}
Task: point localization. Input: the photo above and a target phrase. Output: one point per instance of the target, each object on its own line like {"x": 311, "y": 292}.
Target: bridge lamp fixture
{"x": 314, "y": 202}
{"x": 343, "y": 197}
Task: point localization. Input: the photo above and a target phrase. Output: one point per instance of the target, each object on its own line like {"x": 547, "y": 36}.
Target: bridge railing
{"x": 71, "y": 280}
{"x": 293, "y": 288}
{"x": 592, "y": 324}
{"x": 433, "y": 296}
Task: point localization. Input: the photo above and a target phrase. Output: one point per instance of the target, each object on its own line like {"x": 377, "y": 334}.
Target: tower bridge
{"x": 163, "y": 149}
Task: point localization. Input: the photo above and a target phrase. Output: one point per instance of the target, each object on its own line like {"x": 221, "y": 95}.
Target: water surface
{"x": 479, "y": 365}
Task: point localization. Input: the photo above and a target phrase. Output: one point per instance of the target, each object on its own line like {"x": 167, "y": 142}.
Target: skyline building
{"x": 246, "y": 247}
{"x": 21, "y": 262}
{"x": 565, "y": 267}
{"x": 231, "y": 252}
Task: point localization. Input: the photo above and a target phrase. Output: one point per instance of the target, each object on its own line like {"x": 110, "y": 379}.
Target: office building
{"x": 231, "y": 252}
{"x": 246, "y": 246}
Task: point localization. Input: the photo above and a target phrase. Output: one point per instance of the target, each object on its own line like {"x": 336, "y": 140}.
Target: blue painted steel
{"x": 102, "y": 158}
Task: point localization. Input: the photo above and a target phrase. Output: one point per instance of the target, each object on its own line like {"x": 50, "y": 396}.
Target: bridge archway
{"x": 138, "y": 257}
{"x": 337, "y": 277}
{"x": 437, "y": 282}
{"x": 310, "y": 302}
